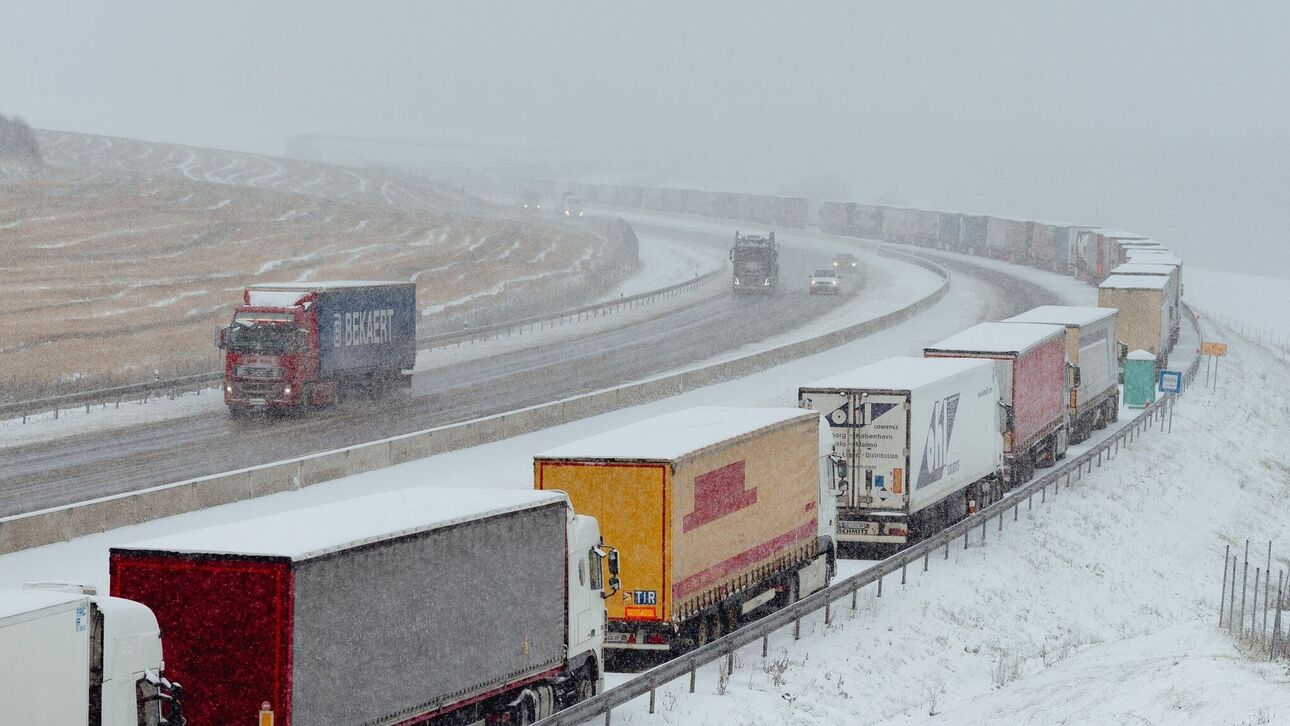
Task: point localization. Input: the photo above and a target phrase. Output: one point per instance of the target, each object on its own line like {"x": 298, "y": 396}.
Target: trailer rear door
{"x": 871, "y": 433}
{"x": 630, "y": 501}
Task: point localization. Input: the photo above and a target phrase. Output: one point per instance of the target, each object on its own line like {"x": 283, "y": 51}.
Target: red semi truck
{"x": 293, "y": 345}
{"x": 1033, "y": 372}
{"x": 427, "y": 606}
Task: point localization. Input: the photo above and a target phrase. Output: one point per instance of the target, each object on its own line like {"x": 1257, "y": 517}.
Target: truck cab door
{"x": 586, "y": 585}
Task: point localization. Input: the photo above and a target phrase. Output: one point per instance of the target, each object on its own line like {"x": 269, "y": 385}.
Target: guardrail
{"x": 725, "y": 647}
{"x": 34, "y": 529}
{"x": 539, "y": 322}
{"x": 174, "y": 386}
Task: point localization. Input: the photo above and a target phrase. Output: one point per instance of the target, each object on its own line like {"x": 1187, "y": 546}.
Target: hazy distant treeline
{"x": 17, "y": 142}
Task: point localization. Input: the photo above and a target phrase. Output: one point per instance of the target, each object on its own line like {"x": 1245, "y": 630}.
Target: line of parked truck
{"x": 440, "y": 606}
{"x": 660, "y": 535}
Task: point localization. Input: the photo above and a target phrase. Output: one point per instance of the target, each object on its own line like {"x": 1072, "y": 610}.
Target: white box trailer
{"x": 71, "y": 658}
{"x": 921, "y": 439}
{"x": 1093, "y": 348}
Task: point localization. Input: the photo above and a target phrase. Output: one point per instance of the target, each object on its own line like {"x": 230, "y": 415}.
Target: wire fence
{"x": 1276, "y": 339}
{"x": 1250, "y": 607}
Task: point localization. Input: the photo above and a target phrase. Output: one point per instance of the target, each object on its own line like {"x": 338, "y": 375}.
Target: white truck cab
{"x": 69, "y": 656}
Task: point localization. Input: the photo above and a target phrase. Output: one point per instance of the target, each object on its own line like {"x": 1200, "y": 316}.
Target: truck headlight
{"x": 767, "y": 282}
{"x": 286, "y": 391}
{"x": 228, "y": 388}
{"x": 736, "y": 281}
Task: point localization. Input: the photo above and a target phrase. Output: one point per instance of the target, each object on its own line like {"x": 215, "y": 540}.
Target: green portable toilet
{"x": 1139, "y": 379}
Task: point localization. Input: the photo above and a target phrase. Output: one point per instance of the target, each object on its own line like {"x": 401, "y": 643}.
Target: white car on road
{"x": 825, "y": 281}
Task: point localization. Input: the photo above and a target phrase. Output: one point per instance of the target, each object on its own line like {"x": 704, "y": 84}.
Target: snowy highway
{"x": 100, "y": 464}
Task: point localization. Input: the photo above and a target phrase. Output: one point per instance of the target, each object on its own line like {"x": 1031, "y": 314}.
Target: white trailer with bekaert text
{"x": 1093, "y": 348}
{"x": 921, "y": 440}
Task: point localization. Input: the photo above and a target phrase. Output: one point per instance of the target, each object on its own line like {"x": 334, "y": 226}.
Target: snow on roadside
{"x": 667, "y": 260}
{"x": 76, "y": 421}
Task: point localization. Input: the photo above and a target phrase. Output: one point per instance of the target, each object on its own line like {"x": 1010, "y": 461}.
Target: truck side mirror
{"x": 219, "y": 337}
{"x": 1007, "y": 420}
{"x": 613, "y": 564}
{"x": 615, "y": 585}
{"x": 1072, "y": 376}
{"x": 1124, "y": 352}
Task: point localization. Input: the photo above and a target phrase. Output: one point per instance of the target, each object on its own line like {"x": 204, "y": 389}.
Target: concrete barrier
{"x": 58, "y": 524}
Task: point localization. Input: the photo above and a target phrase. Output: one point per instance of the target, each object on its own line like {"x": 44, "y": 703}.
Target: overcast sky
{"x": 1168, "y": 118}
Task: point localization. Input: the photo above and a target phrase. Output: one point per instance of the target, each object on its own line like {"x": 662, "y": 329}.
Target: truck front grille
{"x": 259, "y": 389}
{"x": 268, "y": 373}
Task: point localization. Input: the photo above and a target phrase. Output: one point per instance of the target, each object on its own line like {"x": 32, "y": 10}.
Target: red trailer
{"x": 1032, "y": 370}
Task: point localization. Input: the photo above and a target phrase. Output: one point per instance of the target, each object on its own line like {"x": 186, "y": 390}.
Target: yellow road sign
{"x": 1213, "y": 348}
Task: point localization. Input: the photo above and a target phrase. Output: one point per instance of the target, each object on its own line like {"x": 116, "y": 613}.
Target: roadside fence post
{"x": 1222, "y": 598}
{"x": 1254, "y": 605}
{"x": 1245, "y": 580}
{"x": 1231, "y": 604}
{"x": 1276, "y": 619}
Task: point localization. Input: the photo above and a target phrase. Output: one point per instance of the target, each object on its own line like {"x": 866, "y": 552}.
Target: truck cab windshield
{"x": 266, "y": 337}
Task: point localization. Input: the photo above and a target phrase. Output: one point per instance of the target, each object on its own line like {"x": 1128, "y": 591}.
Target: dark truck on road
{"x": 756, "y": 262}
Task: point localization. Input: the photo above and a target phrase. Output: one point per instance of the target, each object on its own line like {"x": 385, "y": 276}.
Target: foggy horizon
{"x": 1165, "y": 123}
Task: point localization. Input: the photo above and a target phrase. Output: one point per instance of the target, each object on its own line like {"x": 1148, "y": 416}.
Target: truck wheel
{"x": 586, "y": 685}
{"x": 732, "y": 619}
{"x": 709, "y": 629}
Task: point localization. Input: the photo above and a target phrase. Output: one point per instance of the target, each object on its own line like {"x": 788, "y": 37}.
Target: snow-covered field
{"x": 1253, "y": 306}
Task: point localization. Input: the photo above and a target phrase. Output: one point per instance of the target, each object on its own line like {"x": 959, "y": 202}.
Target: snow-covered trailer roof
{"x": 899, "y": 373}
{"x": 288, "y": 294}
{"x": 1143, "y": 268}
{"x": 1063, "y": 315}
{"x": 1154, "y": 257}
{"x": 676, "y": 435}
{"x": 326, "y": 284}
{"x": 20, "y": 602}
{"x": 1135, "y": 282}
{"x": 310, "y": 532}
{"x": 998, "y": 338}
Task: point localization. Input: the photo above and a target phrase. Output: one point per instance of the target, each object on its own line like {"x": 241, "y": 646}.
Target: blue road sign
{"x": 1171, "y": 381}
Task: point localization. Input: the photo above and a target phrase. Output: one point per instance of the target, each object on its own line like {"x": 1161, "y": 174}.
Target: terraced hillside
{"x": 112, "y": 273}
